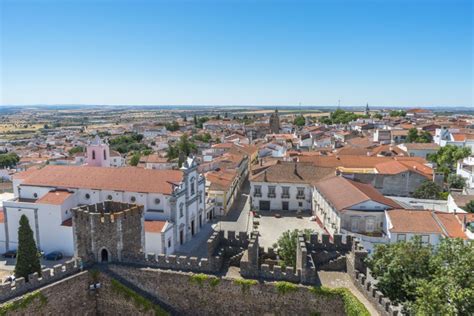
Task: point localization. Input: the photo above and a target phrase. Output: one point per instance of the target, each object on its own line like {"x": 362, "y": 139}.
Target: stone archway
{"x": 104, "y": 255}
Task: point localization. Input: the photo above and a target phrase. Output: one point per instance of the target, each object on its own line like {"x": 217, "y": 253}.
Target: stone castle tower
{"x": 275, "y": 122}
{"x": 108, "y": 231}
{"x": 98, "y": 153}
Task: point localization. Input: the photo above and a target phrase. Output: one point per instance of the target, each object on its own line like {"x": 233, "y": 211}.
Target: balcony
{"x": 300, "y": 197}
{"x": 285, "y": 196}
{"x": 257, "y": 194}
{"x": 271, "y": 195}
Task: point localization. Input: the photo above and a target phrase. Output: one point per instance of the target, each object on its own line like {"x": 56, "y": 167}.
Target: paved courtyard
{"x": 271, "y": 228}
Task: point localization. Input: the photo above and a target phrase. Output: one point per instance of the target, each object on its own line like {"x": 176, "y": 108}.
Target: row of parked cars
{"x": 53, "y": 256}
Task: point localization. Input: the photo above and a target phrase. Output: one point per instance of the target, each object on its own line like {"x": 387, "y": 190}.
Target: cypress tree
{"x": 27, "y": 260}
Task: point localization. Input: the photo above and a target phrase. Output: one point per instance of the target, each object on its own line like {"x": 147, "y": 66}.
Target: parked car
{"x": 55, "y": 255}
{"x": 10, "y": 254}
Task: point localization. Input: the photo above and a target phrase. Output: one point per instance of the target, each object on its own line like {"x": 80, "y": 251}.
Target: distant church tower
{"x": 367, "y": 110}
{"x": 98, "y": 153}
{"x": 275, "y": 122}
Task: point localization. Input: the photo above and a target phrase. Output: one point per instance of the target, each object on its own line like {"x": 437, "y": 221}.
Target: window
{"x": 157, "y": 201}
{"x": 109, "y": 197}
{"x": 35, "y": 195}
{"x": 300, "y": 194}
{"x": 93, "y": 154}
{"x": 181, "y": 209}
{"x": 370, "y": 224}
{"x": 169, "y": 242}
{"x": 257, "y": 191}
{"x": 133, "y": 199}
{"x": 87, "y": 196}
{"x": 425, "y": 239}
{"x": 271, "y": 192}
{"x": 300, "y": 204}
{"x": 285, "y": 193}
{"x": 401, "y": 237}
{"x": 105, "y": 155}
{"x": 193, "y": 189}
{"x": 200, "y": 197}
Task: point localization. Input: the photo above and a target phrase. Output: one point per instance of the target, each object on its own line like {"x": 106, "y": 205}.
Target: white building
{"x": 286, "y": 186}
{"x": 346, "y": 206}
{"x": 465, "y": 168}
{"x": 175, "y": 198}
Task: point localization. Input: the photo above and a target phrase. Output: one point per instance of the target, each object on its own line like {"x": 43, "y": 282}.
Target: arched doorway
{"x": 104, "y": 255}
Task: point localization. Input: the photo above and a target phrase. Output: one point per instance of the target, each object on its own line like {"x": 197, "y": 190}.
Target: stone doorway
{"x": 104, "y": 255}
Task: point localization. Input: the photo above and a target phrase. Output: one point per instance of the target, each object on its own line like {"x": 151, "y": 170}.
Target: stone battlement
{"x": 179, "y": 263}
{"x": 18, "y": 287}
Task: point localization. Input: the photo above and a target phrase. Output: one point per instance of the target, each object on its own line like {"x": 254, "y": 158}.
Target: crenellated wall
{"x": 19, "y": 287}
{"x": 365, "y": 282}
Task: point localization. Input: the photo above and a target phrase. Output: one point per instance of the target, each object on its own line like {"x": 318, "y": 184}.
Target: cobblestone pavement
{"x": 342, "y": 279}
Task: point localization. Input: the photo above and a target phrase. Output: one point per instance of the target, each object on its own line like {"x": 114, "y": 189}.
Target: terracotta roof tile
{"x": 451, "y": 224}
{"x": 293, "y": 172}
{"x": 413, "y": 221}
{"x": 54, "y": 197}
{"x": 128, "y": 179}
{"x": 154, "y": 226}
{"x": 354, "y": 193}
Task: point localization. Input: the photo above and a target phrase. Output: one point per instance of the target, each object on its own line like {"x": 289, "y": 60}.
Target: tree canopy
{"x": 447, "y": 157}
{"x": 172, "y": 126}
{"x": 9, "y": 160}
{"x": 340, "y": 117}
{"x": 299, "y": 121}
{"x": 415, "y": 137}
{"x": 399, "y": 113}
{"x": 429, "y": 281}
{"x": 428, "y": 190}
{"x": 286, "y": 246}
{"x": 456, "y": 181}
{"x": 469, "y": 207}
{"x": 27, "y": 260}
{"x": 128, "y": 143}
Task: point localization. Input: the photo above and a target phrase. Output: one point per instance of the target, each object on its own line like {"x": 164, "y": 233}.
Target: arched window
{"x": 181, "y": 208}
{"x": 93, "y": 154}
{"x": 105, "y": 155}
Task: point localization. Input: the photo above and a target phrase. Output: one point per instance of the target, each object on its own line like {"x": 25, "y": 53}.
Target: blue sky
{"x": 385, "y": 52}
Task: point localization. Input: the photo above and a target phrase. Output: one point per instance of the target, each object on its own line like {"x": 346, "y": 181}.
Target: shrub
{"x": 284, "y": 287}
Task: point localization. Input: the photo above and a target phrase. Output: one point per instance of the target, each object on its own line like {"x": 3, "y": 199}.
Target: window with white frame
{"x": 401, "y": 237}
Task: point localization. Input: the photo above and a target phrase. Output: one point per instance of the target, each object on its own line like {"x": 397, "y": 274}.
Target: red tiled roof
{"x": 54, "y": 197}
{"x": 354, "y": 193}
{"x": 451, "y": 224}
{"x": 413, "y": 221}
{"x": 127, "y": 179}
{"x": 2, "y": 217}
{"x": 154, "y": 226}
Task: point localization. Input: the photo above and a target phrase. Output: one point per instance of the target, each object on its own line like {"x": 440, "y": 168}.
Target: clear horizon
{"x": 237, "y": 53}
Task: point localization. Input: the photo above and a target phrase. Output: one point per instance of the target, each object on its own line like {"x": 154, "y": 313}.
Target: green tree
{"x": 400, "y": 113}
{"x": 412, "y": 136}
{"x": 195, "y": 120}
{"x": 173, "y": 126}
{"x": 299, "y": 121}
{"x": 135, "y": 159}
{"x": 456, "y": 181}
{"x": 9, "y": 160}
{"x": 469, "y": 207}
{"x": 399, "y": 267}
{"x": 75, "y": 150}
{"x": 286, "y": 246}
{"x": 27, "y": 260}
{"x": 377, "y": 116}
{"x": 185, "y": 146}
{"x": 447, "y": 157}
{"x": 427, "y": 190}
{"x": 449, "y": 289}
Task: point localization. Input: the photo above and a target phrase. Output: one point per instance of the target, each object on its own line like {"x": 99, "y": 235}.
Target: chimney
{"x": 265, "y": 176}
